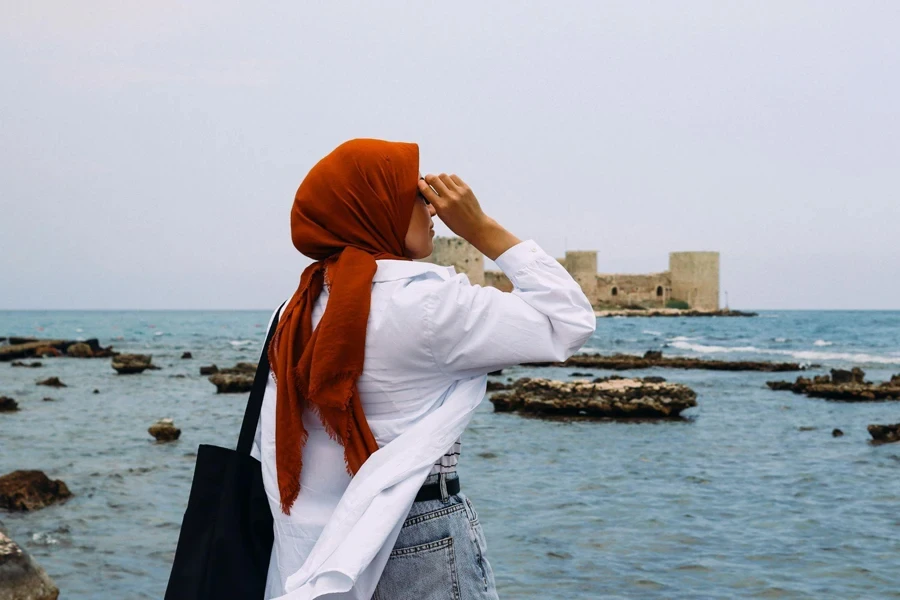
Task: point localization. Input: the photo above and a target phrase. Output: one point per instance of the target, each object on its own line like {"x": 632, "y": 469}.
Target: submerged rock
{"x": 654, "y": 358}
{"x": 30, "y": 490}
{"x": 848, "y": 386}
{"x": 186, "y": 355}
{"x": 128, "y": 364}
{"x": 210, "y": 370}
{"x": 33, "y": 365}
{"x": 493, "y": 386}
{"x": 611, "y": 398}
{"x": 21, "y": 578}
{"x": 164, "y": 430}
{"x": 7, "y": 404}
{"x": 885, "y": 433}
{"x": 52, "y": 382}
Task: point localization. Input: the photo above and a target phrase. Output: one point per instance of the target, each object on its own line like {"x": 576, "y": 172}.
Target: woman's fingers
{"x": 448, "y": 181}
{"x": 457, "y": 180}
{"x": 426, "y": 191}
{"x": 438, "y": 184}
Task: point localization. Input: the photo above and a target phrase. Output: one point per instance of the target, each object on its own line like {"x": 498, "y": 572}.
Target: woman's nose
{"x": 431, "y": 210}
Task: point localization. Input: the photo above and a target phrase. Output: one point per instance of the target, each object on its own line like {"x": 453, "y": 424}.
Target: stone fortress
{"x": 693, "y": 277}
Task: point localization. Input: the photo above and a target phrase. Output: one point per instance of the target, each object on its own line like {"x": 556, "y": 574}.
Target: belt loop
{"x": 442, "y": 480}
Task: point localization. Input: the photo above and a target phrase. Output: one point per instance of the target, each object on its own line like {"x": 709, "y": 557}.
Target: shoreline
{"x": 671, "y": 312}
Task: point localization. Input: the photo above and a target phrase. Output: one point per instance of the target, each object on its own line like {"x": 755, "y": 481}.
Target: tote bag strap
{"x": 254, "y": 405}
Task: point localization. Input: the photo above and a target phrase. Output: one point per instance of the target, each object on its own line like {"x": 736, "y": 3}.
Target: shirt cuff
{"x": 518, "y": 256}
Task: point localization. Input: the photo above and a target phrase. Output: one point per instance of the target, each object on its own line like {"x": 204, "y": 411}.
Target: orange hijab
{"x": 353, "y": 207}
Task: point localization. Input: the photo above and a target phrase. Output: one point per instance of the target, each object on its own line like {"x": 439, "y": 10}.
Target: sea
{"x": 749, "y": 496}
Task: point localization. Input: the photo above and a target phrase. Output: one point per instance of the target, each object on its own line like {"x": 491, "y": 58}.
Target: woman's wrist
{"x": 492, "y": 239}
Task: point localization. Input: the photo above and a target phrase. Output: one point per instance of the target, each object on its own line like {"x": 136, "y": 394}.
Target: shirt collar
{"x": 392, "y": 270}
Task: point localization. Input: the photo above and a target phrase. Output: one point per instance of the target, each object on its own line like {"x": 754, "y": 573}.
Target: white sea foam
{"x": 159, "y": 333}
{"x": 240, "y": 342}
{"x": 822, "y": 343}
{"x": 780, "y": 340}
{"x": 681, "y": 338}
{"x": 802, "y": 355}
{"x": 651, "y": 332}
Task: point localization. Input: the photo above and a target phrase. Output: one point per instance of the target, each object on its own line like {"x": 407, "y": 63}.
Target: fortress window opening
{"x": 615, "y": 291}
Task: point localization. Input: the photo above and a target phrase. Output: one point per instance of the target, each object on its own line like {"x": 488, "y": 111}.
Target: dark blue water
{"x": 734, "y": 502}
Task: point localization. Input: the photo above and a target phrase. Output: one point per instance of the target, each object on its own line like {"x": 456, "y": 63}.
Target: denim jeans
{"x": 439, "y": 555}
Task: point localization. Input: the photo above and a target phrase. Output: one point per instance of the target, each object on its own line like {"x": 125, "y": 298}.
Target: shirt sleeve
{"x": 474, "y": 329}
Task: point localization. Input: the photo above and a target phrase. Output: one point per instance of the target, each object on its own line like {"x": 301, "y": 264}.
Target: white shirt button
{"x": 533, "y": 249}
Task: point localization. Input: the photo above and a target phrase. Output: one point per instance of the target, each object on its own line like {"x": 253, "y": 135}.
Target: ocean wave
{"x": 780, "y": 340}
{"x": 822, "y": 343}
{"x": 802, "y": 355}
{"x": 237, "y": 343}
{"x": 651, "y": 332}
{"x": 682, "y": 338}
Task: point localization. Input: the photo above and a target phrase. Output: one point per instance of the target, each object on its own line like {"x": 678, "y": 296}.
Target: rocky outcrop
{"x": 210, "y": 370}
{"x": 654, "y": 358}
{"x": 80, "y": 350}
{"x": 164, "y": 430}
{"x": 231, "y": 383}
{"x": 129, "y": 364}
{"x": 32, "y": 365}
{"x": 30, "y": 490}
{"x": 186, "y": 355}
{"x": 493, "y": 386}
{"x": 848, "y": 386}
{"x": 234, "y": 380}
{"x": 885, "y": 433}
{"x": 615, "y": 398}
{"x": 7, "y": 404}
{"x": 52, "y": 382}
{"x": 21, "y": 578}
{"x": 19, "y": 348}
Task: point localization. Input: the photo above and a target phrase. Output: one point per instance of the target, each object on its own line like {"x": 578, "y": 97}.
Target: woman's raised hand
{"x": 458, "y": 208}
{"x": 455, "y": 204}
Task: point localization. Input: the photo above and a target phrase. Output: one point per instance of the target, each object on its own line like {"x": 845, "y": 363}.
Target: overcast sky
{"x": 150, "y": 151}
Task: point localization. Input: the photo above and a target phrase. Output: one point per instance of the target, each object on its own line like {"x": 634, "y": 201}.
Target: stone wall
{"x": 460, "y": 254}
{"x": 695, "y": 278}
{"x": 692, "y": 276}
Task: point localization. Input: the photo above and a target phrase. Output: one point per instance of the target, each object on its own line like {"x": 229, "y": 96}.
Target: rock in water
{"x": 34, "y": 365}
{"x": 20, "y": 577}
{"x": 164, "y": 430}
{"x": 30, "y": 490}
{"x": 613, "y": 398}
{"x": 210, "y": 370}
{"x": 885, "y": 433}
{"x": 52, "y": 382}
{"x": 231, "y": 383}
{"x": 8, "y": 404}
{"x": 848, "y": 386}
{"x": 127, "y": 364}
{"x": 80, "y": 350}
{"x": 187, "y": 355}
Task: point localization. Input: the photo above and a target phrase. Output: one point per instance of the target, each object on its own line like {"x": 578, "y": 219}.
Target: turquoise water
{"x": 735, "y": 502}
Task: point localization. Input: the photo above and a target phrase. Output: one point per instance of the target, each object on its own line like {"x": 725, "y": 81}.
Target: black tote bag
{"x": 226, "y": 534}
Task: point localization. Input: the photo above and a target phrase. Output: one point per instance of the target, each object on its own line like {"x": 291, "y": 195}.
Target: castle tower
{"x": 695, "y": 278}
{"x": 582, "y": 266}
{"x": 460, "y": 254}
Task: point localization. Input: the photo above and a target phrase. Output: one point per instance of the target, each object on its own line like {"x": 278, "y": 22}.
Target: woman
{"x": 360, "y": 428}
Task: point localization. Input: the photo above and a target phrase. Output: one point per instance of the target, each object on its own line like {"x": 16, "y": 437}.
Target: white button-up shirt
{"x": 432, "y": 337}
